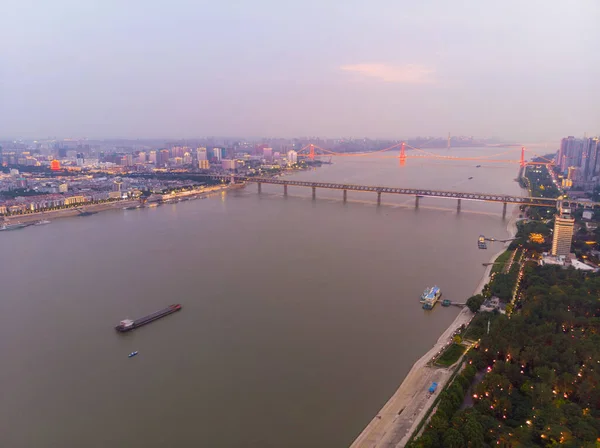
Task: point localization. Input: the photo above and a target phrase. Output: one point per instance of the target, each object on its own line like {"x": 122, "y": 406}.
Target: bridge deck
{"x": 487, "y": 197}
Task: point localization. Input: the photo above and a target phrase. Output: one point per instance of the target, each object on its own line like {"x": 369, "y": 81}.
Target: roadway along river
{"x": 299, "y": 318}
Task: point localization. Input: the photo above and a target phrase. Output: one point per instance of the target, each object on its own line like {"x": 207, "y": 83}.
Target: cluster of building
{"x": 74, "y": 155}
{"x": 578, "y": 160}
{"x": 22, "y": 193}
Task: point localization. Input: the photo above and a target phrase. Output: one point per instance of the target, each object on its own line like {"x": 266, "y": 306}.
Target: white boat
{"x": 42, "y": 222}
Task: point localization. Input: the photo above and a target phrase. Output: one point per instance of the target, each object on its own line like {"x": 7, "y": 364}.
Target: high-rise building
{"x": 162, "y": 158}
{"x": 203, "y": 164}
{"x": 141, "y": 157}
{"x": 563, "y": 234}
{"x": 268, "y": 154}
{"x": 218, "y": 154}
{"x": 201, "y": 154}
{"x": 229, "y": 164}
{"x": 292, "y": 157}
{"x": 591, "y": 148}
{"x": 152, "y": 157}
{"x": 187, "y": 158}
{"x": 570, "y": 153}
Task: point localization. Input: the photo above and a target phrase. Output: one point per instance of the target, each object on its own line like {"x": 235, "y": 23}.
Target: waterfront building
{"x": 268, "y": 154}
{"x": 55, "y": 165}
{"x": 292, "y": 157}
{"x": 152, "y": 157}
{"x": 203, "y": 164}
{"x": 563, "y": 234}
{"x": 74, "y": 200}
{"x": 228, "y": 164}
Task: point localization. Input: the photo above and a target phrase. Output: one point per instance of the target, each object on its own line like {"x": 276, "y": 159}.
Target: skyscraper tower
{"x": 563, "y": 234}
{"x": 448, "y": 140}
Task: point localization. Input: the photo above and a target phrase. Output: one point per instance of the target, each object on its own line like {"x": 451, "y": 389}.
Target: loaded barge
{"x": 128, "y": 324}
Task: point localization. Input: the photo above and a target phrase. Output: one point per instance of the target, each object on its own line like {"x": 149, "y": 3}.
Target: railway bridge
{"x": 416, "y": 192}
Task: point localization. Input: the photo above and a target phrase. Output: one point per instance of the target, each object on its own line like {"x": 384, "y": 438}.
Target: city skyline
{"x": 521, "y": 72}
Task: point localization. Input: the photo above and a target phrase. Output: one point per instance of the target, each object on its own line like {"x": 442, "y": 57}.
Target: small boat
{"x": 478, "y": 166}
{"x": 132, "y": 354}
{"x": 42, "y": 222}
{"x": 470, "y": 177}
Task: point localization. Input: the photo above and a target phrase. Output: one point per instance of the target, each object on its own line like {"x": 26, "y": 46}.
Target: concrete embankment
{"x": 68, "y": 212}
{"x": 399, "y": 417}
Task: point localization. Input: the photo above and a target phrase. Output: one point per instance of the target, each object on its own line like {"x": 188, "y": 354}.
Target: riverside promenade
{"x": 405, "y": 409}
{"x": 399, "y": 417}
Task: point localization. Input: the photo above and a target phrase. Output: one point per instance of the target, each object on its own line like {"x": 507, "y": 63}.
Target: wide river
{"x": 300, "y": 318}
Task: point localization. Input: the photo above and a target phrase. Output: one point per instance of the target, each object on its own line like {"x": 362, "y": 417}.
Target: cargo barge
{"x": 128, "y": 324}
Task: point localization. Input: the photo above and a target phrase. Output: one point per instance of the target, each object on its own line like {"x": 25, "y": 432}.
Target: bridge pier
{"x": 259, "y": 187}
{"x": 504, "y": 211}
{"x": 285, "y": 189}
{"x": 458, "y": 207}
{"x": 416, "y": 201}
{"x": 379, "y": 198}
{"x": 345, "y": 196}
{"x": 314, "y": 196}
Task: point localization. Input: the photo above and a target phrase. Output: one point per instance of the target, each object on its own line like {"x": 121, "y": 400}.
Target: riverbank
{"x": 69, "y": 212}
{"x": 116, "y": 205}
{"x": 396, "y": 421}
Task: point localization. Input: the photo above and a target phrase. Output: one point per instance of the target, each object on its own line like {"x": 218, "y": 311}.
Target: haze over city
{"x": 524, "y": 71}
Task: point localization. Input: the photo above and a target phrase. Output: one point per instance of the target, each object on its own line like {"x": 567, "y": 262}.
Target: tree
{"x": 475, "y": 302}
{"x": 453, "y": 439}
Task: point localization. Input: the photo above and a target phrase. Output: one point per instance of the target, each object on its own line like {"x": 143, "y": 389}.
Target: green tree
{"x": 453, "y": 439}
{"x": 475, "y": 302}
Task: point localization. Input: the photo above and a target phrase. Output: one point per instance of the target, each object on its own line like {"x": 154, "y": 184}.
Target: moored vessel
{"x": 430, "y": 296}
{"x": 14, "y": 226}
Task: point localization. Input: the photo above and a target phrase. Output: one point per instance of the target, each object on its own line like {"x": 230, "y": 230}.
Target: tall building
{"x": 592, "y": 146}
{"x": 570, "y": 153}
{"x": 218, "y": 154}
{"x": 201, "y": 154}
{"x": 563, "y": 234}
{"x": 268, "y": 154}
{"x": 162, "y": 158}
{"x": 292, "y": 157}
{"x": 152, "y": 157}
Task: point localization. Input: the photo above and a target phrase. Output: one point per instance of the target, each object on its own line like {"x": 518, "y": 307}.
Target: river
{"x": 300, "y": 318}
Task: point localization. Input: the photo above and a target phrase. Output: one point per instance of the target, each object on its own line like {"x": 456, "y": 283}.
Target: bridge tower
{"x": 522, "y": 161}
{"x": 448, "y": 140}
{"x": 311, "y": 154}
{"x": 402, "y": 154}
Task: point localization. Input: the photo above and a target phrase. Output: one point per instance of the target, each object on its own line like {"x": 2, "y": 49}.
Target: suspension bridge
{"x": 313, "y": 152}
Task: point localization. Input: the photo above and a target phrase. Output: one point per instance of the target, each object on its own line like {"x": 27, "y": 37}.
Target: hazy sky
{"x": 520, "y": 69}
